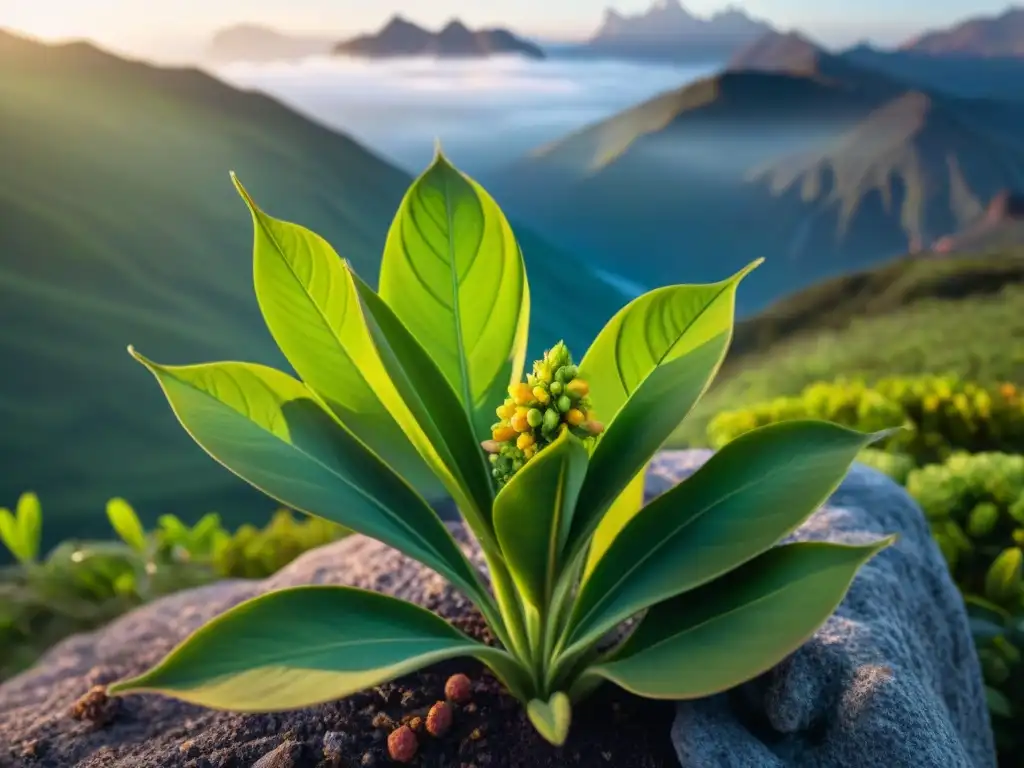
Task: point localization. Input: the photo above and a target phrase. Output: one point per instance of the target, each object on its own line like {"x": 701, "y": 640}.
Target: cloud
{"x": 486, "y": 112}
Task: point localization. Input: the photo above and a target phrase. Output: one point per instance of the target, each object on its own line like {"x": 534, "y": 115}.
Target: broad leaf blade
{"x": 310, "y": 305}
{"x": 551, "y": 718}
{"x": 622, "y": 510}
{"x": 745, "y": 499}
{"x": 737, "y": 627}
{"x": 453, "y": 273}
{"x": 647, "y": 368}
{"x": 429, "y": 411}
{"x": 303, "y": 646}
{"x": 267, "y": 428}
{"x": 126, "y": 524}
{"x": 533, "y": 512}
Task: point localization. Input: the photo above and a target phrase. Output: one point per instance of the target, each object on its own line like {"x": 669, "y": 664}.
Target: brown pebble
{"x": 95, "y": 706}
{"x": 458, "y": 689}
{"x": 285, "y": 755}
{"x": 30, "y": 749}
{"x": 334, "y": 744}
{"x": 402, "y": 744}
{"x": 382, "y": 721}
{"x": 439, "y": 719}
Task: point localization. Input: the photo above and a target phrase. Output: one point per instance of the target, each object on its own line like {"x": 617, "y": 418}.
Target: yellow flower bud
{"x": 541, "y": 395}
{"x": 519, "y": 423}
{"x": 529, "y": 451}
{"x": 574, "y": 417}
{"x": 544, "y": 372}
{"x": 503, "y": 434}
{"x": 577, "y": 388}
{"x": 505, "y": 411}
{"x": 524, "y": 441}
{"x": 521, "y": 393}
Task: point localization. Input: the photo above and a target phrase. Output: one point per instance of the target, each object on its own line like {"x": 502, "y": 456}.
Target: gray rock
{"x": 892, "y": 679}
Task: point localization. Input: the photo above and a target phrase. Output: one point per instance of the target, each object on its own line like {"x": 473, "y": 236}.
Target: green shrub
{"x": 82, "y": 585}
{"x": 975, "y": 505}
{"x": 943, "y": 414}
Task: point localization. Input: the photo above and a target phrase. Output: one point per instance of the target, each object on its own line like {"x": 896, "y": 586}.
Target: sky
{"x": 137, "y": 25}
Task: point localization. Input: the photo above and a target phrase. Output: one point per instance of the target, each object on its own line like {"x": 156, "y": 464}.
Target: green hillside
{"x": 826, "y": 170}
{"x": 118, "y": 224}
{"x": 924, "y": 315}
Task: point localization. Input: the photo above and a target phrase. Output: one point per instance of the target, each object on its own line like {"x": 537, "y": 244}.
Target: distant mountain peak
{"x": 668, "y": 26}
{"x": 401, "y": 37}
{"x": 983, "y": 36}
{"x": 784, "y": 52}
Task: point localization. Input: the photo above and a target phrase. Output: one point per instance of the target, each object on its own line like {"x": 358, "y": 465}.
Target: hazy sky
{"x": 134, "y": 23}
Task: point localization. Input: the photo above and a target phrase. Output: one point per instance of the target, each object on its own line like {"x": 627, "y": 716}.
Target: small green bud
{"x": 534, "y": 417}
{"x": 560, "y": 374}
{"x": 556, "y": 388}
{"x": 517, "y": 465}
{"x": 570, "y": 372}
{"x": 564, "y": 403}
{"x": 496, "y": 472}
{"x": 983, "y": 519}
{"x": 550, "y": 419}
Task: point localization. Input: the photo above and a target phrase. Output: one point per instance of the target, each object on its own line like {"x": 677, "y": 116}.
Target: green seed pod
{"x": 550, "y": 419}
{"x": 982, "y": 520}
{"x": 517, "y": 465}
{"x": 564, "y": 404}
{"x": 560, "y": 374}
{"x": 555, "y": 388}
{"x": 570, "y": 372}
{"x": 534, "y": 418}
{"x": 493, "y": 458}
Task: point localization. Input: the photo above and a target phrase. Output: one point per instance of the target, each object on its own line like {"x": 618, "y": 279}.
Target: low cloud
{"x": 486, "y": 112}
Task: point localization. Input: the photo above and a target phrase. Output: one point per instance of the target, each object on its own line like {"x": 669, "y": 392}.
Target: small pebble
{"x": 285, "y": 755}
{"x": 439, "y": 719}
{"x": 402, "y": 745}
{"x": 458, "y": 689}
{"x": 334, "y": 746}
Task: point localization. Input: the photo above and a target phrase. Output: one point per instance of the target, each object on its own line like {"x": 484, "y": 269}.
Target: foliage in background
{"x": 81, "y": 585}
{"x": 943, "y": 414}
{"x": 962, "y": 459}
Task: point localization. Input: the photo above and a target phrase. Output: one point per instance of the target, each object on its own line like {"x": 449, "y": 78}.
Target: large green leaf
{"x": 622, "y": 510}
{"x": 453, "y": 273}
{"x": 268, "y": 429}
{"x": 551, "y": 718}
{"x": 746, "y": 498}
{"x": 647, "y": 368}
{"x": 429, "y": 411}
{"x": 309, "y": 302}
{"x": 307, "y": 645}
{"x": 533, "y": 512}
{"x": 737, "y": 627}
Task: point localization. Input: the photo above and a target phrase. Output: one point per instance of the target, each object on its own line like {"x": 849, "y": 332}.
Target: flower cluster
{"x": 553, "y": 398}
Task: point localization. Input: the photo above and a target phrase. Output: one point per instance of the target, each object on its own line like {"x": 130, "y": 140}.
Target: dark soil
{"x": 612, "y": 728}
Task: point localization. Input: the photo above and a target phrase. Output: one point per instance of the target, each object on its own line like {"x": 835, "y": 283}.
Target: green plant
{"x": 975, "y": 505}
{"x": 398, "y": 388}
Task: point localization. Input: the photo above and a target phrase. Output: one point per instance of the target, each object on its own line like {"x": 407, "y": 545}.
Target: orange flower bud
{"x": 574, "y": 417}
{"x": 524, "y": 441}
{"x": 519, "y": 422}
{"x": 503, "y": 434}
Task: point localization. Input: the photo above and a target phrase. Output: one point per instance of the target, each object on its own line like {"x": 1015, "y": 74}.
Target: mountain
{"x": 978, "y": 77}
{"x": 400, "y": 37}
{"x": 827, "y": 171}
{"x": 668, "y": 31}
{"x": 127, "y": 230}
{"x": 986, "y": 36}
{"x": 1001, "y": 226}
{"x": 251, "y": 42}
